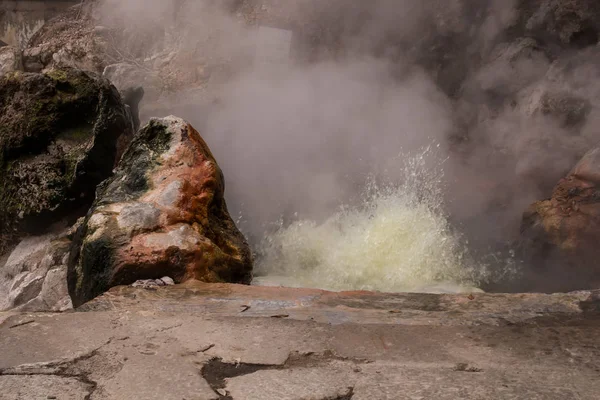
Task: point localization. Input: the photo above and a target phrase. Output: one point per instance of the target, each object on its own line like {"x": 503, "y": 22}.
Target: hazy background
{"x": 366, "y": 86}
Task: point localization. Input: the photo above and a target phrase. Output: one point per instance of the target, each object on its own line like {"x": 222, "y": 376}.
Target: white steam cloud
{"x": 367, "y": 85}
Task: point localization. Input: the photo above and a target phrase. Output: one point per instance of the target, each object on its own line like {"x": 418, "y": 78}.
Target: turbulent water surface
{"x": 397, "y": 240}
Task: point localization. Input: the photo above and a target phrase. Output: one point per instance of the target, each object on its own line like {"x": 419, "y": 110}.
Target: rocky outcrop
{"x": 561, "y": 234}
{"x": 34, "y": 276}
{"x": 68, "y": 40}
{"x": 573, "y": 22}
{"x": 509, "y": 68}
{"x": 60, "y": 134}
{"x": 162, "y": 214}
{"x": 10, "y": 60}
{"x": 564, "y": 93}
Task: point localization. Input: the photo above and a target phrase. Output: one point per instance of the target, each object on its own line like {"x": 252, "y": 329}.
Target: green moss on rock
{"x": 141, "y": 157}
{"x": 58, "y": 75}
{"x": 58, "y": 141}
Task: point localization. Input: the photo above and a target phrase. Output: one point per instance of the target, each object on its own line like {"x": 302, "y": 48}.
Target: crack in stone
{"x": 311, "y": 359}
{"x": 464, "y": 367}
{"x": 64, "y": 368}
{"x": 168, "y": 328}
{"x": 215, "y": 371}
{"x": 195, "y": 352}
{"x": 90, "y": 384}
{"x": 21, "y": 324}
{"x": 346, "y": 396}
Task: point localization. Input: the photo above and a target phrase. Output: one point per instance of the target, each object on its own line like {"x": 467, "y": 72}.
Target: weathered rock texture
{"x": 10, "y": 60}
{"x": 161, "y": 214}
{"x": 561, "y": 234}
{"x": 60, "y": 135}
{"x": 68, "y": 40}
{"x": 574, "y": 22}
{"x": 304, "y": 344}
{"x": 19, "y": 20}
{"x": 34, "y": 276}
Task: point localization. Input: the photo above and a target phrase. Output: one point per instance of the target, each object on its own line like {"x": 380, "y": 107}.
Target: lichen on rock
{"x": 162, "y": 213}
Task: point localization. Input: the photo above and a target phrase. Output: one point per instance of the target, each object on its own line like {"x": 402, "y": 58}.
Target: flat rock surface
{"x": 217, "y": 341}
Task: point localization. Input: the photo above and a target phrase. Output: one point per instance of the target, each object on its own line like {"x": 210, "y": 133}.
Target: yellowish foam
{"x": 398, "y": 240}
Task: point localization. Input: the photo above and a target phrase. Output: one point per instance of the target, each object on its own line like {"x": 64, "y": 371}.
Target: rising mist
{"x": 366, "y": 87}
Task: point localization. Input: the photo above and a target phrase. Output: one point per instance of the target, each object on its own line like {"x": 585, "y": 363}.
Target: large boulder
{"x": 60, "y": 136}
{"x": 33, "y": 277}
{"x": 162, "y": 214}
{"x": 561, "y": 234}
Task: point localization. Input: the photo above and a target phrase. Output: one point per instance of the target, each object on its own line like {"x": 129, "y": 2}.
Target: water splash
{"x": 397, "y": 239}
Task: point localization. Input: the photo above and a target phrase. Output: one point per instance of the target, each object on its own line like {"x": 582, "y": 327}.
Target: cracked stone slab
{"x": 333, "y": 382}
{"x": 222, "y": 342}
{"x": 255, "y": 342}
{"x": 39, "y": 341}
{"x": 383, "y": 381}
{"x": 148, "y": 366}
{"x": 162, "y": 378}
{"x": 42, "y": 387}
{"x": 197, "y": 298}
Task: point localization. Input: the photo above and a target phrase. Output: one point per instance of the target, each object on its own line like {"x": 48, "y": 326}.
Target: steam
{"x": 397, "y": 239}
{"x": 308, "y": 139}
{"x": 369, "y": 84}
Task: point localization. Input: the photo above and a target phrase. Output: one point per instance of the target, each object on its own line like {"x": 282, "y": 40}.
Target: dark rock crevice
{"x": 216, "y": 371}
{"x": 347, "y": 396}
{"x": 75, "y": 368}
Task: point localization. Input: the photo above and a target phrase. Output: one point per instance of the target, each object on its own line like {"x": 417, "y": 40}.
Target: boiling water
{"x": 397, "y": 240}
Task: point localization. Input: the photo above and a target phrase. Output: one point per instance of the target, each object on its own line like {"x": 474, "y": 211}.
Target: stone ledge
{"x": 202, "y": 341}
{"x": 197, "y": 298}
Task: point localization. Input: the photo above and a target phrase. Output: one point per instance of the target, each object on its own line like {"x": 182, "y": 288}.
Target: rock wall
{"x": 61, "y": 134}
{"x": 20, "y": 19}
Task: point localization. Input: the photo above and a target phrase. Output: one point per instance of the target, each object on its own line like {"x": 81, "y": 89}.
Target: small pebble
{"x": 167, "y": 280}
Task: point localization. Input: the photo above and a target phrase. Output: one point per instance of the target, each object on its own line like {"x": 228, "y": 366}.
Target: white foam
{"x": 397, "y": 240}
